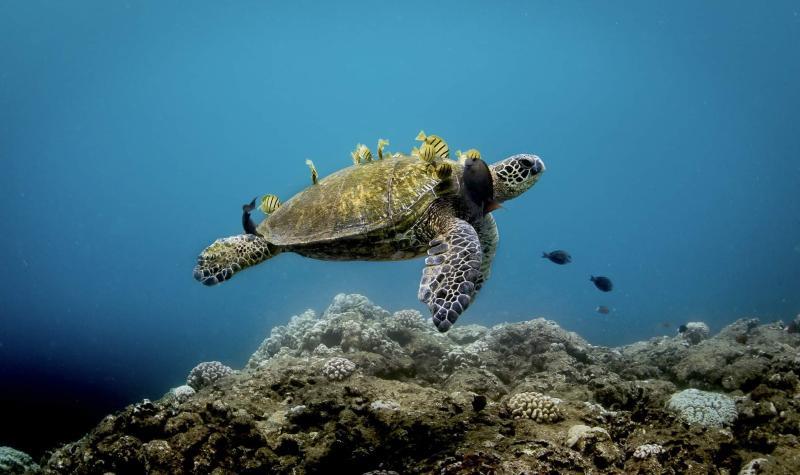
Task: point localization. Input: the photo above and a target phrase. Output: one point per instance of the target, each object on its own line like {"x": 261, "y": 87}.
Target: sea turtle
{"x": 391, "y": 209}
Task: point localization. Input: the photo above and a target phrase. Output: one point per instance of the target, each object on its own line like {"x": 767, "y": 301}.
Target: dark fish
{"x": 665, "y": 324}
{"x": 479, "y": 185}
{"x": 602, "y": 283}
{"x": 682, "y": 329}
{"x": 247, "y": 222}
{"x": 603, "y": 309}
{"x": 559, "y": 257}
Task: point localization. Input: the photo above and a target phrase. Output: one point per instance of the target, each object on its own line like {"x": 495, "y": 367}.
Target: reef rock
{"x": 13, "y": 462}
{"x": 364, "y": 390}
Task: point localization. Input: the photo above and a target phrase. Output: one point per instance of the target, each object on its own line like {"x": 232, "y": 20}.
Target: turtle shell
{"x": 388, "y": 194}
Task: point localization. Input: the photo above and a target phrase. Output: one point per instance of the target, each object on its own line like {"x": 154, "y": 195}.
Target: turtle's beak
{"x": 532, "y": 163}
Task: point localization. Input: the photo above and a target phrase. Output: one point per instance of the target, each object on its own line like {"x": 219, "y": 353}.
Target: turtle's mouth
{"x": 531, "y": 164}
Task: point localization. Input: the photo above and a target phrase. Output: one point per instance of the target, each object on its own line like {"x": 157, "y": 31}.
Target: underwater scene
{"x": 456, "y": 237}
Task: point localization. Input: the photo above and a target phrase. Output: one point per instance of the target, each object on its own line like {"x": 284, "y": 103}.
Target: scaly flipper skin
{"x": 489, "y": 237}
{"x": 452, "y": 271}
{"x": 227, "y": 256}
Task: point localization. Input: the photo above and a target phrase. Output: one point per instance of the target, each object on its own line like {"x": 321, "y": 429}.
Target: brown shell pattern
{"x": 385, "y": 194}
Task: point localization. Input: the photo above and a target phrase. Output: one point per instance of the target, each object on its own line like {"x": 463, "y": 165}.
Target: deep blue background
{"x": 132, "y": 132}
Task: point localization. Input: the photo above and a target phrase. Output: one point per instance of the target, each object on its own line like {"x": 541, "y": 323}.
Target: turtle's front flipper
{"x": 452, "y": 271}
{"x": 227, "y": 256}
{"x": 489, "y": 237}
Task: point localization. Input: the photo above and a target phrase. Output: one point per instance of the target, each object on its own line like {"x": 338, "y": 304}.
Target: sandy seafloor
{"x": 357, "y": 389}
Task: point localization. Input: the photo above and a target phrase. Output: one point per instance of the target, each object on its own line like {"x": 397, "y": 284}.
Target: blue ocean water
{"x": 132, "y": 132}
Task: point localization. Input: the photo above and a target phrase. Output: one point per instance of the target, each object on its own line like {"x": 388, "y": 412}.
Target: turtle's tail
{"x": 227, "y": 256}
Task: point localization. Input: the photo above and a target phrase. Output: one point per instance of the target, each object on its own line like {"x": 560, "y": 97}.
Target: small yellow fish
{"x": 439, "y": 145}
{"x": 314, "y": 174}
{"x": 364, "y": 153}
{"x": 269, "y": 203}
{"x": 381, "y": 144}
{"x": 426, "y": 153}
{"x": 443, "y": 170}
{"x": 356, "y": 158}
{"x": 473, "y": 153}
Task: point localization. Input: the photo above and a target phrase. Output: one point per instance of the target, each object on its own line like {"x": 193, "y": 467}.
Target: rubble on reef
{"x": 12, "y": 462}
{"x": 361, "y": 390}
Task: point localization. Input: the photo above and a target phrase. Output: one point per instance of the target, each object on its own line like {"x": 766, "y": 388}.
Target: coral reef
{"x": 753, "y": 467}
{"x": 526, "y": 397}
{"x": 207, "y": 373}
{"x": 703, "y": 408}
{"x": 181, "y": 393}
{"x": 535, "y": 406}
{"x": 337, "y": 369}
{"x": 695, "y": 332}
{"x": 12, "y": 462}
{"x": 647, "y": 450}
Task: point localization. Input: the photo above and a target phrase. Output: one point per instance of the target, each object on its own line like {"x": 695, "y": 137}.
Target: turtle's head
{"x": 515, "y": 175}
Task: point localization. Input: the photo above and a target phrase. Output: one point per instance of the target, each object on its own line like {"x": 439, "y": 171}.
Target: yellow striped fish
{"x": 427, "y": 153}
{"x": 473, "y": 153}
{"x": 381, "y": 144}
{"x": 314, "y": 174}
{"x": 364, "y": 153}
{"x": 269, "y": 203}
{"x": 356, "y": 158}
{"x": 443, "y": 170}
{"x": 439, "y": 145}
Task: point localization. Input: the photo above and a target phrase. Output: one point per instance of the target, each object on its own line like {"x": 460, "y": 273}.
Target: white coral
{"x": 703, "y": 408}
{"x": 696, "y": 332}
{"x": 387, "y": 405}
{"x": 580, "y": 432}
{"x": 646, "y": 450}
{"x": 754, "y": 467}
{"x": 460, "y": 358}
{"x": 409, "y": 319}
{"x": 207, "y": 373}
{"x": 536, "y": 406}
{"x": 337, "y": 369}
{"x": 323, "y": 351}
{"x": 182, "y": 393}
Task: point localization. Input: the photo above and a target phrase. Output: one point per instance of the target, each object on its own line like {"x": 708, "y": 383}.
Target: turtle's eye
{"x": 532, "y": 164}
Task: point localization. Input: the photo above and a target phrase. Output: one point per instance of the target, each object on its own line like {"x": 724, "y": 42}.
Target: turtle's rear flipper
{"x": 452, "y": 272}
{"x": 227, "y": 256}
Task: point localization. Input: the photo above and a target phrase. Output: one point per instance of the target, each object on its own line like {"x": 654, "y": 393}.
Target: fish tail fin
{"x": 249, "y": 206}
{"x": 545, "y": 255}
{"x": 591, "y": 278}
{"x": 491, "y": 206}
{"x": 421, "y": 136}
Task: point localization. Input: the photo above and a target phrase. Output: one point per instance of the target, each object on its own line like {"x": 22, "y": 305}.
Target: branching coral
{"x": 535, "y": 406}
{"x": 207, "y": 373}
{"x": 337, "y": 369}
